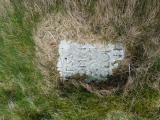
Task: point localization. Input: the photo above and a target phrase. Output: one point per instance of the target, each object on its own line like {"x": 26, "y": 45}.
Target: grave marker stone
{"x": 95, "y": 60}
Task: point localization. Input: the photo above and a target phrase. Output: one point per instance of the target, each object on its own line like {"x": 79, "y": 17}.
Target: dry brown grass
{"x": 5, "y": 6}
{"x": 134, "y": 23}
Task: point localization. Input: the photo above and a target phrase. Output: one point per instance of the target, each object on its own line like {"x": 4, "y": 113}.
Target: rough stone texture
{"x": 94, "y": 60}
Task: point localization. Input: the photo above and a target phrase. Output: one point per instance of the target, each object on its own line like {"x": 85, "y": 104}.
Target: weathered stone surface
{"x": 94, "y": 60}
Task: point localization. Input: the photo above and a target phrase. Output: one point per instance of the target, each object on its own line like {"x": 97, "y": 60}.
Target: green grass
{"x": 22, "y": 96}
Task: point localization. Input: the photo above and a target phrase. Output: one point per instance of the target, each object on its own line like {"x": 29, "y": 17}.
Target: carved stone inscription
{"x": 96, "y": 60}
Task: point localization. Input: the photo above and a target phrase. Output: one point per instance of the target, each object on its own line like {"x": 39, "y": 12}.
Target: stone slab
{"x": 95, "y": 60}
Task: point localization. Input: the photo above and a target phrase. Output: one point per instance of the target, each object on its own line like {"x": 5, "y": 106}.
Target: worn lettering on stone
{"x": 95, "y": 60}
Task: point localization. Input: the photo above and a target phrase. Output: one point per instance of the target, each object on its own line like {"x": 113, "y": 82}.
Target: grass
{"x": 23, "y": 93}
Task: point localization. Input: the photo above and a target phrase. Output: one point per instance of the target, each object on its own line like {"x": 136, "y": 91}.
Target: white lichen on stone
{"x": 95, "y": 60}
